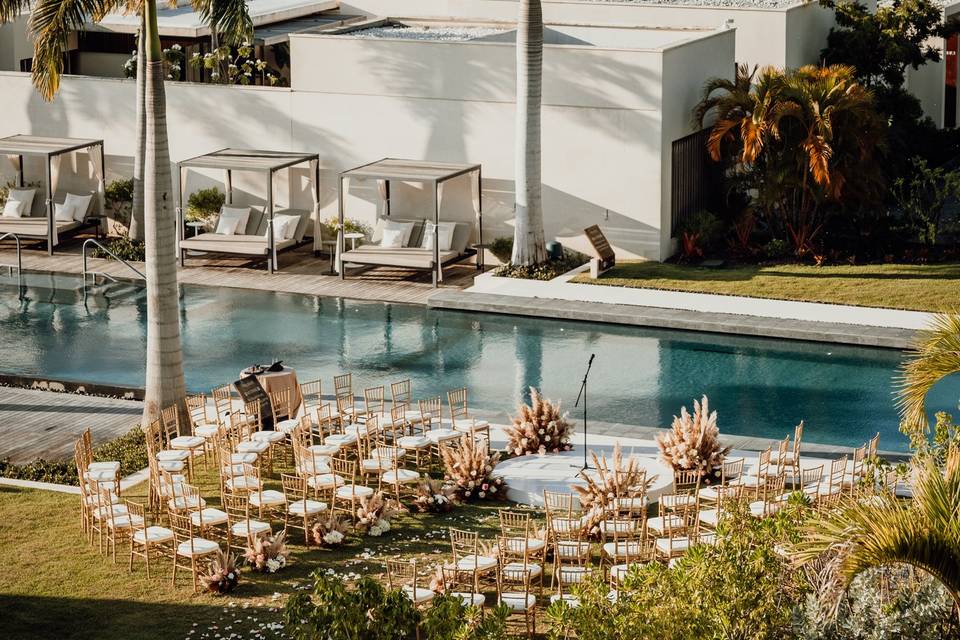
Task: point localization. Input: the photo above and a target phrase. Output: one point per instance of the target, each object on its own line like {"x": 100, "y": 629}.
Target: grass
{"x": 898, "y": 286}
{"x": 56, "y": 586}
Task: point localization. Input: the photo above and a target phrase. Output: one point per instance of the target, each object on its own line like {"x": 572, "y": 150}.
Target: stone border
{"x": 635, "y": 315}
{"x": 131, "y": 480}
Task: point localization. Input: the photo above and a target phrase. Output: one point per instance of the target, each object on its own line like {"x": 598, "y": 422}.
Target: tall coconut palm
{"x": 529, "y": 247}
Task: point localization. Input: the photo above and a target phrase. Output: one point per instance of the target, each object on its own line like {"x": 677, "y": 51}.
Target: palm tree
{"x": 50, "y": 23}
{"x": 529, "y": 247}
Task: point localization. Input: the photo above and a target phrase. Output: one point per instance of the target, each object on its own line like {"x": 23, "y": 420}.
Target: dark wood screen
{"x": 695, "y": 179}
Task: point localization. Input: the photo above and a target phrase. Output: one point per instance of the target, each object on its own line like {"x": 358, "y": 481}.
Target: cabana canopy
{"x": 419, "y": 171}
{"x": 17, "y": 147}
{"x": 266, "y": 162}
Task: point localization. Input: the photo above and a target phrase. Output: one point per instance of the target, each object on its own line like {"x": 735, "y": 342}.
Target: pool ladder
{"x": 19, "y": 265}
{"x": 107, "y": 276}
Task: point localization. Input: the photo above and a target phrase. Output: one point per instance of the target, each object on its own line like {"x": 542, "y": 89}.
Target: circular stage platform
{"x": 527, "y": 476}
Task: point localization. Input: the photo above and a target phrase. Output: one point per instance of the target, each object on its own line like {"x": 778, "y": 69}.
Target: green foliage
{"x": 946, "y": 435}
{"x": 776, "y": 249}
{"x": 449, "y": 619}
{"x": 881, "y": 604}
{"x": 502, "y": 248}
{"x": 124, "y": 248}
{"x": 922, "y": 195}
{"x": 705, "y": 227}
{"x": 328, "y": 227}
{"x": 236, "y": 65}
{"x": 119, "y": 192}
{"x": 204, "y": 204}
{"x": 545, "y": 270}
{"x": 172, "y": 63}
{"x": 741, "y": 587}
{"x": 130, "y": 450}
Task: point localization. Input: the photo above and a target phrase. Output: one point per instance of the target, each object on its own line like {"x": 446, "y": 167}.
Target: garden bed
{"x": 930, "y": 288}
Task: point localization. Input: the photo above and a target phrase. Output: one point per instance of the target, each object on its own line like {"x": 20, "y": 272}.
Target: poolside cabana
{"x": 421, "y": 249}
{"x": 257, "y": 238}
{"x": 40, "y": 219}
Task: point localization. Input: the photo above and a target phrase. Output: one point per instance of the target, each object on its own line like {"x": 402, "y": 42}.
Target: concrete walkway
{"x": 45, "y": 424}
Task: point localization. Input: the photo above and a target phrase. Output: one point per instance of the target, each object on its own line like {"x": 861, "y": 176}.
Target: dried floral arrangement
{"x": 224, "y": 575}
{"x": 539, "y": 428}
{"x": 330, "y": 531}
{"x": 693, "y": 442}
{"x": 467, "y": 467}
{"x": 614, "y": 479}
{"x": 374, "y": 513}
{"x": 434, "y": 496}
{"x": 268, "y": 554}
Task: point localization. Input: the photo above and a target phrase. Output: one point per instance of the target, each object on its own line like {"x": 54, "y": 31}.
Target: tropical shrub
{"x": 693, "y": 442}
{"x": 328, "y": 227}
{"x": 204, "y": 204}
{"x": 700, "y": 234}
{"x": 545, "y": 270}
{"x": 467, "y": 466}
{"x": 539, "y": 427}
{"x": 502, "y": 248}
{"x": 237, "y": 65}
{"x": 449, "y": 619}
{"x": 921, "y": 197}
{"x": 122, "y": 247}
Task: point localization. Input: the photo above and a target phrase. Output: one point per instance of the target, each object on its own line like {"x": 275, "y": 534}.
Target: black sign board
{"x": 604, "y": 251}
{"x": 250, "y": 390}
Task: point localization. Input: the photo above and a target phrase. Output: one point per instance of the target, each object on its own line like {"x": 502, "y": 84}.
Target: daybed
{"x": 253, "y": 241}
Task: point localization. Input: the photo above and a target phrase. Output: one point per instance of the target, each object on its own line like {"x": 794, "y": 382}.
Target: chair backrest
{"x": 308, "y": 464}
{"x": 772, "y": 492}
{"x": 686, "y": 481}
{"x": 430, "y": 410}
{"x": 170, "y": 418}
{"x": 731, "y": 470}
{"x": 346, "y": 469}
{"x": 727, "y": 494}
{"x": 80, "y": 458}
{"x": 281, "y": 404}
{"x": 561, "y": 503}
{"x": 797, "y": 439}
{"x": 156, "y": 440}
{"x": 514, "y": 524}
{"x": 464, "y": 543}
{"x": 222, "y": 397}
{"x": 811, "y": 478}
{"x": 237, "y": 507}
{"x": 182, "y": 527}
{"x": 182, "y": 497}
{"x": 565, "y": 527}
{"x": 402, "y": 573}
{"x": 197, "y": 410}
{"x": 294, "y": 487}
{"x": 763, "y": 465}
{"x": 457, "y": 402}
{"x": 859, "y": 457}
{"x": 87, "y": 439}
{"x": 782, "y": 448}
{"x": 252, "y": 419}
{"x": 873, "y": 446}
{"x": 401, "y": 392}
{"x": 373, "y": 401}
{"x": 312, "y": 393}
{"x": 838, "y": 470}
{"x": 342, "y": 384}
{"x": 345, "y": 403}
{"x": 398, "y": 418}
{"x": 324, "y": 420}
{"x": 138, "y": 517}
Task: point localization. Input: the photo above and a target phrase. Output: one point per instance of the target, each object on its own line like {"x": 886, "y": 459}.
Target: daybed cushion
{"x": 446, "y": 230}
{"x": 301, "y": 229}
{"x": 19, "y": 203}
{"x": 80, "y": 204}
{"x": 246, "y": 245}
{"x": 33, "y": 227}
{"x": 410, "y": 257}
{"x": 232, "y": 220}
{"x": 412, "y": 240}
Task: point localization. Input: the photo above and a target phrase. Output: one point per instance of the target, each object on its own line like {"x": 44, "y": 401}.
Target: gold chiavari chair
{"x": 397, "y": 479}
{"x": 686, "y": 487}
{"x": 830, "y": 493}
{"x": 724, "y": 497}
{"x": 373, "y": 403}
{"x": 312, "y": 394}
{"x": 513, "y": 590}
{"x": 520, "y": 531}
{"x": 626, "y": 553}
{"x": 404, "y": 575}
{"x": 810, "y": 480}
{"x": 468, "y": 561}
{"x": 730, "y": 473}
{"x": 147, "y": 541}
{"x": 343, "y": 383}
{"x": 177, "y": 440}
{"x": 202, "y": 425}
{"x": 791, "y": 459}
{"x": 856, "y": 470}
{"x": 401, "y": 392}
{"x": 465, "y": 591}
{"x": 192, "y": 552}
{"x": 460, "y": 418}
{"x": 243, "y": 530}
{"x": 571, "y": 550}
{"x": 115, "y": 524}
{"x": 300, "y": 510}
{"x": 419, "y": 445}
{"x": 753, "y": 482}
{"x": 772, "y": 498}
{"x": 182, "y": 497}
{"x": 324, "y": 476}
{"x": 100, "y": 470}
{"x": 271, "y": 502}
{"x": 281, "y": 405}
{"x": 679, "y": 534}
{"x": 440, "y": 433}
{"x": 347, "y": 496}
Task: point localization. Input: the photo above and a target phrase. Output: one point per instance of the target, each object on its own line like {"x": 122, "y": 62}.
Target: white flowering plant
{"x": 467, "y": 468}
{"x": 173, "y": 58}
{"x": 267, "y": 554}
{"x": 539, "y": 428}
{"x": 237, "y": 65}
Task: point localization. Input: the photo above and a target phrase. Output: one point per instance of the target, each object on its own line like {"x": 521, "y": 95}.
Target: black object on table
{"x": 251, "y": 390}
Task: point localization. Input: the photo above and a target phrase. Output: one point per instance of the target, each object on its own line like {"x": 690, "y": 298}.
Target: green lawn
{"x": 898, "y": 286}
{"x": 55, "y": 586}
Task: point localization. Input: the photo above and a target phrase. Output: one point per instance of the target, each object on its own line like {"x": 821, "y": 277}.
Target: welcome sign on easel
{"x": 606, "y": 258}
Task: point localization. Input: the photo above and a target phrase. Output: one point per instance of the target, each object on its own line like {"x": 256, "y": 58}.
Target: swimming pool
{"x": 760, "y": 387}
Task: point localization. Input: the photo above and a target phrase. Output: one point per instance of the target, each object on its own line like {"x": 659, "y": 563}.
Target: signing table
{"x": 273, "y": 381}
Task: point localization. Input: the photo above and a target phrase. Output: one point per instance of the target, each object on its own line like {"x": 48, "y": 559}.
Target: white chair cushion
{"x": 320, "y": 465}
{"x": 306, "y": 507}
{"x": 324, "y": 450}
{"x": 124, "y": 521}
{"x": 243, "y": 458}
{"x": 249, "y": 527}
{"x": 206, "y": 430}
{"x": 267, "y": 498}
{"x": 254, "y": 446}
{"x": 757, "y": 508}
{"x": 414, "y": 442}
{"x": 103, "y": 475}
{"x": 709, "y": 493}
{"x": 400, "y": 476}
{"x": 630, "y": 504}
{"x": 517, "y": 568}
{"x": 679, "y": 544}
{"x": 341, "y": 439}
{"x": 571, "y": 600}
{"x": 208, "y": 517}
{"x": 169, "y": 454}
{"x": 201, "y": 546}
{"x": 103, "y": 512}
{"x": 153, "y": 534}
{"x": 532, "y": 545}
{"x": 420, "y": 595}
{"x": 673, "y": 501}
{"x": 607, "y": 527}
{"x": 171, "y": 466}
{"x": 234, "y": 470}
{"x": 710, "y": 517}
{"x": 470, "y": 599}
{"x": 622, "y": 548}
{"x": 186, "y": 502}
{"x": 467, "y": 427}
{"x": 243, "y": 483}
{"x": 442, "y": 435}
{"x": 518, "y": 601}
{"x": 186, "y": 442}
{"x": 660, "y": 523}
{"x": 619, "y": 571}
{"x": 354, "y": 490}
{"x": 104, "y": 465}
{"x": 287, "y": 426}
{"x": 471, "y": 562}
{"x": 325, "y": 481}
{"x": 376, "y": 464}
{"x": 268, "y": 436}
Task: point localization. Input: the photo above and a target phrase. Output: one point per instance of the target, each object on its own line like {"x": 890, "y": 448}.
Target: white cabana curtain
{"x": 181, "y": 217}
{"x": 14, "y": 161}
{"x": 315, "y": 214}
{"x": 228, "y": 186}
{"x": 54, "y": 182}
{"x": 269, "y": 208}
{"x": 440, "y": 189}
{"x": 382, "y": 192}
{"x": 96, "y": 159}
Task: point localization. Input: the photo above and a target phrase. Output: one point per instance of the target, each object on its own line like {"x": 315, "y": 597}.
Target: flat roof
{"x": 183, "y": 22}
{"x": 410, "y": 170}
{"x": 278, "y": 32}
{"x": 248, "y": 159}
{"x": 26, "y": 145}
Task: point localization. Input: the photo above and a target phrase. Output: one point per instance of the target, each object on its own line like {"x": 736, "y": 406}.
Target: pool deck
{"x": 45, "y": 424}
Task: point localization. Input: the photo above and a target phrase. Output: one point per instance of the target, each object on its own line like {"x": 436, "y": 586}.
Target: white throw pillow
{"x": 64, "y": 212}
{"x": 446, "y": 235}
{"x": 22, "y": 199}
{"x": 80, "y": 205}
{"x": 232, "y": 220}
{"x": 284, "y": 227}
{"x": 405, "y": 227}
{"x": 392, "y": 238}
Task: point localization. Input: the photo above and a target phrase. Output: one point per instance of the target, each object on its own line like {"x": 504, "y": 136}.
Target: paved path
{"x": 45, "y": 424}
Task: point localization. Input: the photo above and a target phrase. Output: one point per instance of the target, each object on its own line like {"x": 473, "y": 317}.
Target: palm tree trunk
{"x": 136, "y": 214}
{"x": 528, "y": 243}
{"x": 164, "y": 383}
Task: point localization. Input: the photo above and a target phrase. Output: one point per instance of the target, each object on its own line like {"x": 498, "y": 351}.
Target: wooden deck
{"x": 45, "y": 424}
{"x": 299, "y": 272}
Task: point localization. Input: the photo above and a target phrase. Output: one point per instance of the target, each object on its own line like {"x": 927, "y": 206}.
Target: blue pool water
{"x": 641, "y": 376}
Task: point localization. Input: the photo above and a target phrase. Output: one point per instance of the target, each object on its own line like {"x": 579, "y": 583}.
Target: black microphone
{"x": 592, "y": 356}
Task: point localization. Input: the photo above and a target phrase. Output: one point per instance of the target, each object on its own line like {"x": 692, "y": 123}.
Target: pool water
{"x": 641, "y": 376}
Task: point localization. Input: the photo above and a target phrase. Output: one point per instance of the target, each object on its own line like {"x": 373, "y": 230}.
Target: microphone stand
{"x": 583, "y": 394}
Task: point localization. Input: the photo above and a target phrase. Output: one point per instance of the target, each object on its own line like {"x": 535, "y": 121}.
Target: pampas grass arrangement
{"x": 434, "y": 496}
{"x": 693, "y": 442}
{"x": 374, "y": 513}
{"x": 224, "y": 575}
{"x": 467, "y": 467}
{"x": 268, "y": 554}
{"x": 330, "y": 531}
{"x": 539, "y": 428}
{"x": 614, "y": 479}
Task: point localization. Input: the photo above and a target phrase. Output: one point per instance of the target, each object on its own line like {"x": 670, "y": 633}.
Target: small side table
{"x": 196, "y": 226}
{"x": 332, "y": 252}
{"x": 353, "y": 237}
{"x": 481, "y": 257}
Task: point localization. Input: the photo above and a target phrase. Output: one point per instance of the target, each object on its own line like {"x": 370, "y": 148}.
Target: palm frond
{"x": 10, "y": 9}
{"x": 935, "y": 355}
{"x": 230, "y": 18}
